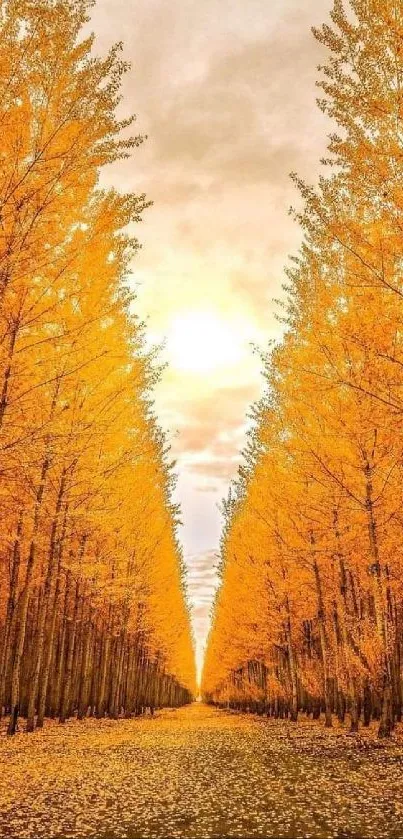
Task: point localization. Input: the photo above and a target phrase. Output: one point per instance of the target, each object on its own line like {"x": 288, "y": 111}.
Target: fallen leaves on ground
{"x": 199, "y": 773}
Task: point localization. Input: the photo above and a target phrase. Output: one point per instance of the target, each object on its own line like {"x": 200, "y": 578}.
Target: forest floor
{"x": 199, "y": 773}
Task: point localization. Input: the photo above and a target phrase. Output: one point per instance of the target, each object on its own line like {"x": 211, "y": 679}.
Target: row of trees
{"x": 309, "y": 616}
{"x": 93, "y": 610}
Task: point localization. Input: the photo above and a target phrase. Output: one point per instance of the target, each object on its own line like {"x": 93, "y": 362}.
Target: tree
{"x": 89, "y": 545}
{"x": 326, "y": 450}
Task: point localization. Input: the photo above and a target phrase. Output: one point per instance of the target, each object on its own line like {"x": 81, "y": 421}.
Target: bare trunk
{"x": 292, "y": 665}
{"x": 323, "y": 643}
{"x": 49, "y": 641}
{"x": 65, "y": 703}
{"x": 84, "y": 680}
{"x": 102, "y": 686}
{"x": 44, "y": 609}
{"x": 387, "y": 722}
{"x": 19, "y": 645}
{"x": 7, "y": 371}
{"x": 10, "y": 613}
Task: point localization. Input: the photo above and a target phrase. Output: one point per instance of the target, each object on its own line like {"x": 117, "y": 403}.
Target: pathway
{"x": 198, "y": 773}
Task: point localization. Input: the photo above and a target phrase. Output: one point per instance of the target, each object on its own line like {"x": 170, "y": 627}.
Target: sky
{"x": 225, "y": 92}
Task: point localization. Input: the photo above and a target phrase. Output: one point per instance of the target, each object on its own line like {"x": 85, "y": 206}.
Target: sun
{"x": 203, "y": 341}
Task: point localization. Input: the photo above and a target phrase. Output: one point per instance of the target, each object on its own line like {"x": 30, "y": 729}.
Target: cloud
{"x": 234, "y": 122}
{"x": 211, "y": 435}
{"x": 223, "y": 469}
{"x": 225, "y": 89}
{"x": 207, "y": 418}
{"x": 202, "y": 581}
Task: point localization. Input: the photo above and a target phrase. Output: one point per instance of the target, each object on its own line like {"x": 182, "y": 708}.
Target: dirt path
{"x": 198, "y": 773}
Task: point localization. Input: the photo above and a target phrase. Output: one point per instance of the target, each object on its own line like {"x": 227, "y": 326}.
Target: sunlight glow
{"x": 202, "y": 341}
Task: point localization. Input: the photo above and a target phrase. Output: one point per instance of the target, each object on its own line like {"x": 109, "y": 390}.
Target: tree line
{"x": 93, "y": 611}
{"x": 309, "y": 614}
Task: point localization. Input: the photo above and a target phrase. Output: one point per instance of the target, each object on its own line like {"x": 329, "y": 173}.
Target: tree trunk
{"x": 386, "y": 723}
{"x": 19, "y": 645}
{"x": 10, "y": 613}
{"x": 44, "y": 609}
{"x": 65, "y": 703}
{"x": 323, "y": 643}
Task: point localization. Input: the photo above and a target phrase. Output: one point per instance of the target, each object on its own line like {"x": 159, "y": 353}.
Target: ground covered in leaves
{"x": 199, "y": 773}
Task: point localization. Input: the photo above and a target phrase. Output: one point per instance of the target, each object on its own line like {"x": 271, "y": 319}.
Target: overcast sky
{"x": 225, "y": 91}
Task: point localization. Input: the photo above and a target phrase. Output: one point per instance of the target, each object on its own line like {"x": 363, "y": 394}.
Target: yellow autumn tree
{"x": 88, "y": 541}
{"x": 316, "y": 516}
